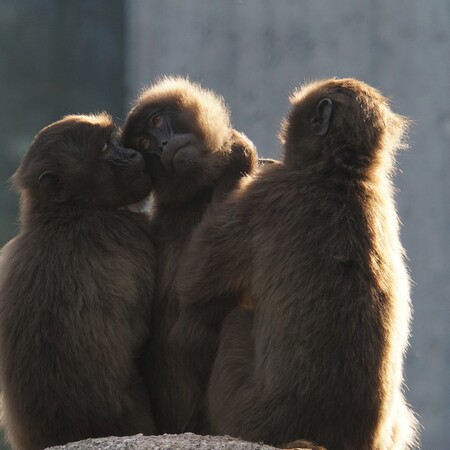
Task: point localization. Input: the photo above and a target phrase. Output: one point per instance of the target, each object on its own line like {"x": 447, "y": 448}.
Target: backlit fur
{"x": 314, "y": 241}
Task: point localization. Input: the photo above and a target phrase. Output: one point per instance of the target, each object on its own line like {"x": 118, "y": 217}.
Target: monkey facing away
{"x": 75, "y": 290}
{"x": 195, "y": 159}
{"x": 314, "y": 242}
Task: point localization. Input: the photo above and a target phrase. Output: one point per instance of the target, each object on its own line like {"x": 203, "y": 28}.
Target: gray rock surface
{"x": 185, "y": 441}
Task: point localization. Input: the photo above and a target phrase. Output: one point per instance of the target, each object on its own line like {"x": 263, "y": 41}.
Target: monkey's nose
{"x": 162, "y": 145}
{"x": 133, "y": 155}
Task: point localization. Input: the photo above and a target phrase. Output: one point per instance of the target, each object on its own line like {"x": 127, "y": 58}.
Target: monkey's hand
{"x": 244, "y": 157}
{"x": 182, "y": 154}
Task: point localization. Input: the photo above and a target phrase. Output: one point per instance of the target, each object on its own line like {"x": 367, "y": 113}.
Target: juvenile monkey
{"x": 76, "y": 287}
{"x": 195, "y": 158}
{"x": 314, "y": 242}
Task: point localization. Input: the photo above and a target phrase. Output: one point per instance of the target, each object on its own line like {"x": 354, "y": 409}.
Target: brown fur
{"x": 75, "y": 292}
{"x": 302, "y": 445}
{"x": 218, "y": 157}
{"x": 314, "y": 241}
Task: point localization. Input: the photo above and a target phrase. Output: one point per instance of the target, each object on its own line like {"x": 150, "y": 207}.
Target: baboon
{"x": 75, "y": 290}
{"x": 195, "y": 159}
{"x": 314, "y": 242}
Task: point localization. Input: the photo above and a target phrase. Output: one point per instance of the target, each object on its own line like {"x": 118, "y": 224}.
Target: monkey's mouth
{"x": 150, "y": 156}
{"x": 156, "y": 151}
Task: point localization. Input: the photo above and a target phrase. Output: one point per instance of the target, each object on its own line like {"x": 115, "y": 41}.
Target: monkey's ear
{"x": 50, "y": 182}
{"x": 321, "y": 120}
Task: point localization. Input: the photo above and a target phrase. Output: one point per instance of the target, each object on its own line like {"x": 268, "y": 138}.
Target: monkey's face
{"x": 183, "y": 132}
{"x": 170, "y": 142}
{"x": 149, "y": 129}
{"x": 78, "y": 160}
{"x": 120, "y": 176}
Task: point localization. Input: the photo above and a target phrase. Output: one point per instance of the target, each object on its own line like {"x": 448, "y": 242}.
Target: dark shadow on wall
{"x": 57, "y": 58}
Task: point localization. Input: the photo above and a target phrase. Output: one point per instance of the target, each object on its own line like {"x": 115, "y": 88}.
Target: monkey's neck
{"x": 179, "y": 218}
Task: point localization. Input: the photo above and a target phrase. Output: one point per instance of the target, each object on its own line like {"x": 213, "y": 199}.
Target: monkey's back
{"x": 329, "y": 282}
{"x": 75, "y": 299}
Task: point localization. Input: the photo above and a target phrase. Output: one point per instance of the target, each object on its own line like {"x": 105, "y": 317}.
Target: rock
{"x": 187, "y": 441}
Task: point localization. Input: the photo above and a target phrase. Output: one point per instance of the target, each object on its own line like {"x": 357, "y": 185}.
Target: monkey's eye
{"x": 105, "y": 147}
{"x": 157, "y": 120}
{"x": 143, "y": 143}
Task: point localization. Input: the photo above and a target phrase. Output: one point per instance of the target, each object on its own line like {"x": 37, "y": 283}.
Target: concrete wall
{"x": 254, "y": 52}
{"x": 56, "y": 58}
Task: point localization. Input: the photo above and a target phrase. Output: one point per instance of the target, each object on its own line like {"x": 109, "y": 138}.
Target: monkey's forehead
{"x": 181, "y": 93}
{"x": 166, "y": 88}
{"x": 92, "y": 123}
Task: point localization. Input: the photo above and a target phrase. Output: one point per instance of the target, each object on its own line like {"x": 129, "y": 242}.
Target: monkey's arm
{"x": 214, "y": 273}
{"x": 231, "y": 386}
{"x": 210, "y": 282}
{"x": 214, "y": 276}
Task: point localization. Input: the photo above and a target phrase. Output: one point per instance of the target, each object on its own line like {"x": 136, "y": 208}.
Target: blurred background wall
{"x": 61, "y": 57}
{"x": 56, "y": 58}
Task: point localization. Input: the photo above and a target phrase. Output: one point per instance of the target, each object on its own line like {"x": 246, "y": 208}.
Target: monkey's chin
{"x": 140, "y": 187}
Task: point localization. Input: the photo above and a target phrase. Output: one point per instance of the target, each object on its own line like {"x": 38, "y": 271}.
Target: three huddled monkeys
{"x": 267, "y": 300}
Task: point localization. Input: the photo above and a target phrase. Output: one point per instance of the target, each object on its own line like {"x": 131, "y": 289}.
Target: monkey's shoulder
{"x": 272, "y": 184}
{"x": 86, "y": 248}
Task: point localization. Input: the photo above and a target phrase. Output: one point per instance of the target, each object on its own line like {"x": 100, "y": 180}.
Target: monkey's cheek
{"x": 187, "y": 161}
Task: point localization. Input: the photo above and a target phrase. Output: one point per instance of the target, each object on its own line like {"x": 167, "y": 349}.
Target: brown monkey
{"x": 314, "y": 242}
{"x": 195, "y": 159}
{"x": 75, "y": 290}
